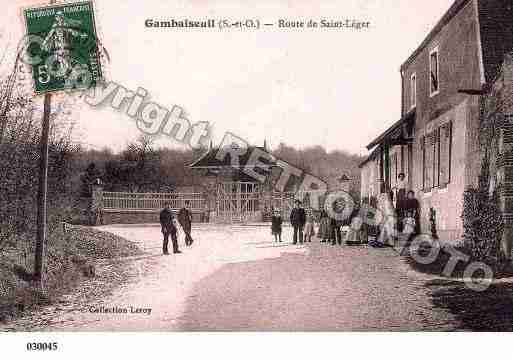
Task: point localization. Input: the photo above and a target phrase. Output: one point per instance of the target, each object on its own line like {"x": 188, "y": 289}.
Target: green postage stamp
{"x": 63, "y": 46}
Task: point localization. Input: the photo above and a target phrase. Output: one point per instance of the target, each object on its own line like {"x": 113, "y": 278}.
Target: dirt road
{"x": 236, "y": 278}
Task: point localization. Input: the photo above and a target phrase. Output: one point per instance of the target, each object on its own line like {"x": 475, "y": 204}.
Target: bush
{"x": 482, "y": 220}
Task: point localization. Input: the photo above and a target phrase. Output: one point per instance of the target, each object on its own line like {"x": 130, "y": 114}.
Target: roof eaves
{"x": 200, "y": 159}
{"x": 381, "y": 137}
{"x": 446, "y": 18}
{"x": 371, "y": 157}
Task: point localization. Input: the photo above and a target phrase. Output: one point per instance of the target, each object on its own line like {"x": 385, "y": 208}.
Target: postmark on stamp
{"x": 63, "y": 46}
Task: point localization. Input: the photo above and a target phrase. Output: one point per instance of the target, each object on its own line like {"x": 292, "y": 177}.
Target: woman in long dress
{"x": 309, "y": 231}
{"x": 400, "y": 199}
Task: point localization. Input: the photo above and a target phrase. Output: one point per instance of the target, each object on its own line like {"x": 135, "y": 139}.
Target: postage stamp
{"x": 63, "y": 46}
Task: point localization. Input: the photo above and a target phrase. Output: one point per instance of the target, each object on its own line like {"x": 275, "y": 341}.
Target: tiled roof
{"x": 210, "y": 160}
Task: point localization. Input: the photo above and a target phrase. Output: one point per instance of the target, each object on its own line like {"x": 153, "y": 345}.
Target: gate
{"x": 238, "y": 201}
{"x": 282, "y": 201}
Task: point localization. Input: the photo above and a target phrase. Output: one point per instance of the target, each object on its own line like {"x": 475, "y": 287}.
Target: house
{"x": 435, "y": 143}
{"x": 233, "y": 194}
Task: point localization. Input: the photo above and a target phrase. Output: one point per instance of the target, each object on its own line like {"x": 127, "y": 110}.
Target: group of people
{"x": 402, "y": 213}
{"x": 407, "y": 207}
{"x": 303, "y": 225}
{"x": 407, "y": 213}
{"x": 169, "y": 226}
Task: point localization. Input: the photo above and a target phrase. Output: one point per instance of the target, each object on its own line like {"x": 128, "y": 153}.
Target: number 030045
{"x": 42, "y": 346}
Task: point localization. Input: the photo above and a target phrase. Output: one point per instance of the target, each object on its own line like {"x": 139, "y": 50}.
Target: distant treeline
{"x": 141, "y": 168}
{"x": 328, "y": 166}
{"x": 138, "y": 168}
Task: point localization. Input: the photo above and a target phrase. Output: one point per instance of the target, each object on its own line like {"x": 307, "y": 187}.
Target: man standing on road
{"x": 185, "y": 220}
{"x": 298, "y": 220}
{"x": 167, "y": 221}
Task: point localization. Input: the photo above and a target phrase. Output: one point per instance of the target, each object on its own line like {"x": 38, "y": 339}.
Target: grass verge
{"x": 70, "y": 259}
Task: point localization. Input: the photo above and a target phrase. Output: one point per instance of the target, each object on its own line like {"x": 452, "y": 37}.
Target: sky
{"x": 304, "y": 87}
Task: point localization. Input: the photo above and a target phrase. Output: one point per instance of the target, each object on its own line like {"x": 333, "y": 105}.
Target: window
{"x": 436, "y": 157}
{"x": 434, "y": 71}
{"x": 413, "y": 91}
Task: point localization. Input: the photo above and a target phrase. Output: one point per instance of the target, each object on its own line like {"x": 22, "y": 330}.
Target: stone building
{"x": 435, "y": 143}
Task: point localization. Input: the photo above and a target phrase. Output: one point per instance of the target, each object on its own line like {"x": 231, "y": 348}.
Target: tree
{"x": 91, "y": 174}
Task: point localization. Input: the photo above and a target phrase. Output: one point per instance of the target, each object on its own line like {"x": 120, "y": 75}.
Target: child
{"x": 276, "y": 222}
{"x": 409, "y": 225}
{"x": 355, "y": 233}
{"x": 309, "y": 229}
{"x": 323, "y": 232}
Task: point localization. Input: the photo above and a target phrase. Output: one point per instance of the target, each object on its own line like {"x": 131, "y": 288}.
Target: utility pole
{"x": 42, "y": 192}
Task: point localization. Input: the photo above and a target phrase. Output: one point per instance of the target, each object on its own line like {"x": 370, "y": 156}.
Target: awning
{"x": 371, "y": 157}
{"x": 397, "y": 134}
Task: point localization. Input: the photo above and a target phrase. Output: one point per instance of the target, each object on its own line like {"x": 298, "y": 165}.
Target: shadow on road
{"x": 491, "y": 310}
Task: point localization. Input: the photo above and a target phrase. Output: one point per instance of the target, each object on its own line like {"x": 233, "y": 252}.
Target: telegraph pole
{"x": 57, "y": 47}
{"x": 42, "y": 191}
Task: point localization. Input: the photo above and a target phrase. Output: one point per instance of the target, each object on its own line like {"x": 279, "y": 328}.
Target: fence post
{"x": 267, "y": 204}
{"x": 208, "y": 197}
{"x": 96, "y": 210}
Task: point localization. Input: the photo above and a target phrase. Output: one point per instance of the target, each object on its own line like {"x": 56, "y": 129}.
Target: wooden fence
{"x": 128, "y": 201}
{"x": 228, "y": 204}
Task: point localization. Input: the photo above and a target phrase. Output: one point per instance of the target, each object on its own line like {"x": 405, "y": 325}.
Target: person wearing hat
{"x": 298, "y": 220}
{"x": 167, "y": 222}
{"x": 185, "y": 220}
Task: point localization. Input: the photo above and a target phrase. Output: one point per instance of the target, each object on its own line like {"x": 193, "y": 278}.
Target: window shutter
{"x": 423, "y": 151}
{"x": 436, "y": 158}
{"x": 429, "y": 155}
{"x": 445, "y": 154}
